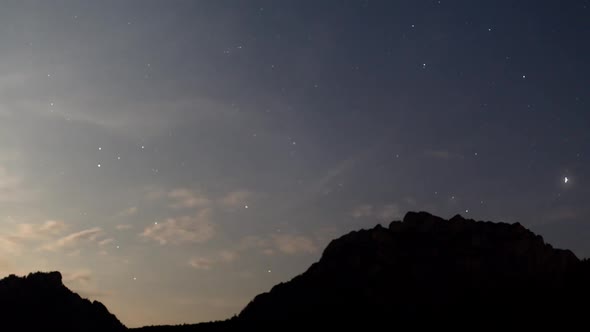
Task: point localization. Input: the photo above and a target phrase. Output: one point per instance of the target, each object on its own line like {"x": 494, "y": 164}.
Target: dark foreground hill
{"x": 426, "y": 270}
{"x": 40, "y": 302}
{"x": 429, "y": 268}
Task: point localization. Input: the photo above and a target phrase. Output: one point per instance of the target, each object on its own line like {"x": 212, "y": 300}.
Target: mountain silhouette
{"x": 423, "y": 270}
{"x": 40, "y": 302}
{"x": 430, "y": 268}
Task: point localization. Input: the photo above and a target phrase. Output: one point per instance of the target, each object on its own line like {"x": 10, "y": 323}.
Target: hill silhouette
{"x": 430, "y": 268}
{"x": 422, "y": 270}
{"x": 40, "y": 302}
{"x": 425, "y": 270}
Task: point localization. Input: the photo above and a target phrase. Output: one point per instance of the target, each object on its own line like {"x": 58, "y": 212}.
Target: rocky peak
{"x": 426, "y": 266}
{"x": 40, "y": 301}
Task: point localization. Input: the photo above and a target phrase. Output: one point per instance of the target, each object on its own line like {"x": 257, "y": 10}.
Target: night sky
{"x": 175, "y": 158}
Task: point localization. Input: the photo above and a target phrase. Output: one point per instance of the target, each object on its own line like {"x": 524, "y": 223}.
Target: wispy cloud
{"x": 122, "y": 227}
{"x": 53, "y": 226}
{"x": 71, "y": 240}
{"x": 196, "y": 229}
{"x": 83, "y": 282}
{"x": 105, "y": 242}
{"x": 15, "y": 241}
{"x": 83, "y": 276}
{"x": 207, "y": 263}
{"x": 9, "y": 245}
{"x": 236, "y": 199}
{"x": 12, "y": 189}
{"x": 294, "y": 244}
{"x": 201, "y": 263}
{"x": 36, "y": 231}
{"x": 185, "y": 199}
{"x": 361, "y": 211}
{"x": 290, "y": 244}
{"x": 128, "y": 212}
{"x": 389, "y": 212}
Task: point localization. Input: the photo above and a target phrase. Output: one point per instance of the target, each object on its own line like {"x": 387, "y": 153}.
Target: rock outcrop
{"x": 425, "y": 268}
{"x": 40, "y": 302}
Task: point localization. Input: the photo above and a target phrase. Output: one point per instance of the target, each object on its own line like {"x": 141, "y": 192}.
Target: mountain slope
{"x": 430, "y": 268}
{"x": 425, "y": 270}
{"x": 40, "y": 302}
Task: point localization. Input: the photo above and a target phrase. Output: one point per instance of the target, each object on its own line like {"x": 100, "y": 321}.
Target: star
{"x": 98, "y": 165}
{"x": 245, "y": 206}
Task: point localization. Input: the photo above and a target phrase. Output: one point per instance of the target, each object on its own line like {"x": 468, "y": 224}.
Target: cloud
{"x": 104, "y": 242}
{"x": 131, "y": 211}
{"x": 53, "y": 226}
{"x": 252, "y": 241}
{"x": 294, "y": 244}
{"x": 71, "y": 240}
{"x": 9, "y": 245}
{"x": 195, "y": 229}
{"x": 389, "y": 212}
{"x": 83, "y": 283}
{"x": 186, "y": 199}
{"x": 201, "y": 263}
{"x": 154, "y": 193}
{"x": 289, "y": 244}
{"x": 13, "y": 242}
{"x": 12, "y": 189}
{"x": 82, "y": 276}
{"x": 361, "y": 211}
{"x": 207, "y": 263}
{"x": 227, "y": 256}
{"x": 236, "y": 199}
{"x": 36, "y": 231}
{"x": 122, "y": 227}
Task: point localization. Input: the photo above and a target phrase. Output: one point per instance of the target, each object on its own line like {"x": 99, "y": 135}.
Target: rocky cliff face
{"x": 425, "y": 267}
{"x": 40, "y": 302}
